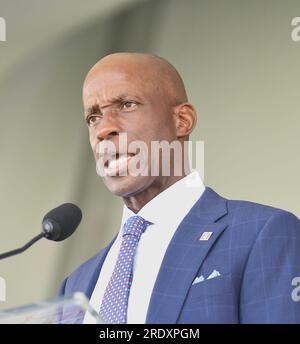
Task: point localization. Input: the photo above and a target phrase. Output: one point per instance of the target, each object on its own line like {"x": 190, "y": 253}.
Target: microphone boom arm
{"x": 23, "y": 248}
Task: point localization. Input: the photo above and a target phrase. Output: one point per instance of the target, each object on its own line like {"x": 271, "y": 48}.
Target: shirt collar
{"x": 170, "y": 206}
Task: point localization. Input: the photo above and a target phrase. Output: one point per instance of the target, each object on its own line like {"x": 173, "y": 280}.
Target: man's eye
{"x": 92, "y": 120}
{"x": 128, "y": 105}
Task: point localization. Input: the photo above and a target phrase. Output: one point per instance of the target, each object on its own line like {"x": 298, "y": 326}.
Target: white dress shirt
{"x": 165, "y": 211}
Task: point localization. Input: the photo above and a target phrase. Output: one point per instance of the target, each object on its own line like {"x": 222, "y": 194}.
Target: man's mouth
{"x": 117, "y": 164}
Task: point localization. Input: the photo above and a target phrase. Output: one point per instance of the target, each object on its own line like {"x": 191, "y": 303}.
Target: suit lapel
{"x": 184, "y": 256}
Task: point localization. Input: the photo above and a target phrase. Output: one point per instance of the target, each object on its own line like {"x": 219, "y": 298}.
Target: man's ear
{"x": 185, "y": 119}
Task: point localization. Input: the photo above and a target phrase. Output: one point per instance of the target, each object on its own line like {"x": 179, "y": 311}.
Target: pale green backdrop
{"x": 242, "y": 72}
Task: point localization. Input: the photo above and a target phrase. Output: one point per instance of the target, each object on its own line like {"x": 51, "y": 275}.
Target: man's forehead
{"x": 119, "y": 70}
{"x": 111, "y": 84}
{"x": 110, "y": 98}
{"x": 111, "y": 91}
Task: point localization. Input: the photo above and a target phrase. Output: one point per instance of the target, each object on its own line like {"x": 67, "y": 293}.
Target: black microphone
{"x": 58, "y": 224}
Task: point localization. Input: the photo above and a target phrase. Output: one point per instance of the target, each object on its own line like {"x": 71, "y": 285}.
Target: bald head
{"x": 150, "y": 70}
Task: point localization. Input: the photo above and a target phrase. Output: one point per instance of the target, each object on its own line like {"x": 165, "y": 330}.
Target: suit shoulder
{"x": 81, "y": 278}
{"x": 69, "y": 284}
{"x": 243, "y": 212}
{"x": 84, "y": 267}
{"x": 80, "y": 275}
{"x": 252, "y": 210}
{"x": 84, "y": 274}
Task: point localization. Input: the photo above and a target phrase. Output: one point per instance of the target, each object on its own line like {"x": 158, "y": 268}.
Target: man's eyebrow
{"x": 114, "y": 100}
{"x": 92, "y": 109}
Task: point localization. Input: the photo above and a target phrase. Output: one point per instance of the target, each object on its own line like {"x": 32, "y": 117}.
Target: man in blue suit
{"x": 197, "y": 257}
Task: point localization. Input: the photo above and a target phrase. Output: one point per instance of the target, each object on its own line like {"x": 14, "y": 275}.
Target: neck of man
{"x": 139, "y": 200}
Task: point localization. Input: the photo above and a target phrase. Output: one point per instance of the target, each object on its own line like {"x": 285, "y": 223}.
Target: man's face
{"x": 118, "y": 100}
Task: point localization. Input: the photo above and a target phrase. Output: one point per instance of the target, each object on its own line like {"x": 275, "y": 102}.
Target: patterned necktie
{"x": 115, "y": 300}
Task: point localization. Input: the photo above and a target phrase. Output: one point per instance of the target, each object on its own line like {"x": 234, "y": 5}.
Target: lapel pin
{"x": 205, "y": 236}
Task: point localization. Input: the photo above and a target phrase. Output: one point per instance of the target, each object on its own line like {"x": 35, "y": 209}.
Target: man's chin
{"x": 125, "y": 186}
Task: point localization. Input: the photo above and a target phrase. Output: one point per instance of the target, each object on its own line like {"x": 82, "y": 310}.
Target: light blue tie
{"x": 113, "y": 308}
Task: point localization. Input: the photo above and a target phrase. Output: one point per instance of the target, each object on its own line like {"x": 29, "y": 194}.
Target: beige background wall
{"x": 242, "y": 72}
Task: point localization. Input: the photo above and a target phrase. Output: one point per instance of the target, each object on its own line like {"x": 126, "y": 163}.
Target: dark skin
{"x": 143, "y": 96}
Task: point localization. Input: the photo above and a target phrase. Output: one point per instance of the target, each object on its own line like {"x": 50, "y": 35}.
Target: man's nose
{"x": 107, "y": 129}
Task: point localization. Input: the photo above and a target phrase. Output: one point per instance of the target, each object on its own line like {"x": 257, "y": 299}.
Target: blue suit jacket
{"x": 254, "y": 248}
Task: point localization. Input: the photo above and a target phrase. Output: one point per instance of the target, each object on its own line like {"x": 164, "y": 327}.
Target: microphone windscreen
{"x": 60, "y": 222}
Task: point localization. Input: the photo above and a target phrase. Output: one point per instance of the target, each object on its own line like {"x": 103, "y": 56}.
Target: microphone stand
{"x": 23, "y": 248}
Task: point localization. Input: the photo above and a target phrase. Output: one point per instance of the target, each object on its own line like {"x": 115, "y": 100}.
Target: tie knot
{"x": 136, "y": 226}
